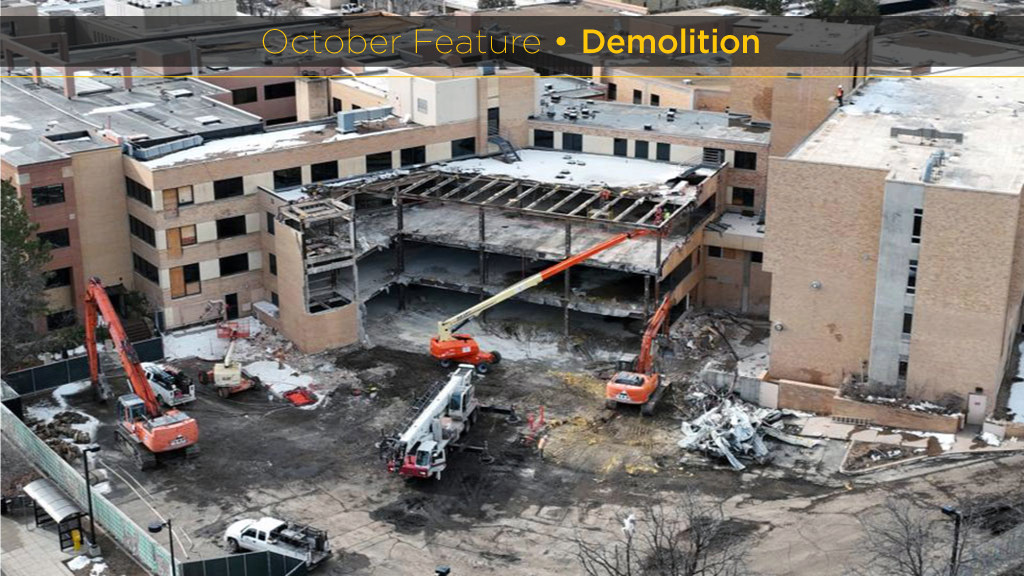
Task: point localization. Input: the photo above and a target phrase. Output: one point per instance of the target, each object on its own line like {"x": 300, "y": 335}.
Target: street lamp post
{"x": 155, "y": 527}
{"x": 957, "y": 517}
{"x": 94, "y": 549}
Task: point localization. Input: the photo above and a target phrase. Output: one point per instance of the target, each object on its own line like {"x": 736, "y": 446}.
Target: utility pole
{"x": 958, "y": 517}
{"x": 94, "y": 549}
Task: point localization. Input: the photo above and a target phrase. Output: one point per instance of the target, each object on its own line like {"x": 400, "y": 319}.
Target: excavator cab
{"x": 626, "y": 363}
{"x": 131, "y": 409}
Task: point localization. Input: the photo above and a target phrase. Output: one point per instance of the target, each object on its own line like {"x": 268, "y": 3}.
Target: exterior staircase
{"x": 509, "y": 154}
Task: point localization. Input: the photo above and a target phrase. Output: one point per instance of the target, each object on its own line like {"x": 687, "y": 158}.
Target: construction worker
{"x": 839, "y": 94}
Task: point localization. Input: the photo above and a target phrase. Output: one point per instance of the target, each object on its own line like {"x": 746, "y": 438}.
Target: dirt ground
{"x": 520, "y": 513}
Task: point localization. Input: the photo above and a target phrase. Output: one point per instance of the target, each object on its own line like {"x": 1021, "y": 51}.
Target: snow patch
{"x": 240, "y": 146}
{"x": 78, "y": 562}
{"x": 102, "y": 488}
{"x": 121, "y": 108}
{"x": 1016, "y": 401}
{"x": 203, "y": 343}
{"x": 280, "y": 378}
{"x": 990, "y": 439}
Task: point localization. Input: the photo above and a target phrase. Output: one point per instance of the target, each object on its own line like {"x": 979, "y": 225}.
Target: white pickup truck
{"x": 170, "y": 385}
{"x": 291, "y": 539}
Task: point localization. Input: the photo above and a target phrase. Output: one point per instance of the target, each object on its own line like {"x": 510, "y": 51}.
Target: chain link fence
{"x": 132, "y": 537}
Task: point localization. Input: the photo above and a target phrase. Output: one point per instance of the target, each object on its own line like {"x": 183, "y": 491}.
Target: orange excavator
{"x": 636, "y": 382}
{"x": 144, "y": 432}
{"x": 451, "y": 348}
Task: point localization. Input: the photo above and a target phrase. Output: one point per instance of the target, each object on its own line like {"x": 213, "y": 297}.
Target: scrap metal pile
{"x": 734, "y": 430}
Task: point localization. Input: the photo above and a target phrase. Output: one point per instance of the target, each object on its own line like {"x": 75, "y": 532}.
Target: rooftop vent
{"x": 207, "y": 120}
{"x": 179, "y": 93}
{"x": 927, "y": 134}
{"x": 67, "y": 136}
{"x": 648, "y": 127}
{"x": 349, "y": 121}
{"x": 934, "y": 162}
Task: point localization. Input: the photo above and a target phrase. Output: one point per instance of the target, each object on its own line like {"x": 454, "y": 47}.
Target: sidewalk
{"x": 30, "y": 551}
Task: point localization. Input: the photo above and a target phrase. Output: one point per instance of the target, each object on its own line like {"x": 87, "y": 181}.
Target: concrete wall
{"x": 896, "y": 418}
{"x": 806, "y": 397}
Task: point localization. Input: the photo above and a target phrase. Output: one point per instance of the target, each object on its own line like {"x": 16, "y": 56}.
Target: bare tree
{"x": 690, "y": 538}
{"x": 910, "y": 538}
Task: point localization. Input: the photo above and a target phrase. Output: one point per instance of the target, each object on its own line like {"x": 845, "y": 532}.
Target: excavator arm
{"x": 645, "y": 364}
{"x": 445, "y": 328}
{"x": 97, "y": 304}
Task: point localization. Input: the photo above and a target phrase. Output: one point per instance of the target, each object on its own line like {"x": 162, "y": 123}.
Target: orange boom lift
{"x": 636, "y": 382}
{"x": 451, "y": 348}
{"x": 143, "y": 431}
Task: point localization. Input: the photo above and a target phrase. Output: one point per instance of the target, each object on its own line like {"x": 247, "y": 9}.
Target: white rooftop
{"x": 988, "y": 112}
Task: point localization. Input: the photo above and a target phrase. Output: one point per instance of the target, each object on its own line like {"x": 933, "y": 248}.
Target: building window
{"x": 58, "y": 278}
{"x": 228, "y": 188}
{"x": 422, "y": 105}
{"x": 145, "y": 269}
{"x": 655, "y": 100}
{"x": 915, "y": 236}
{"x": 59, "y": 320}
{"x": 543, "y": 138}
{"x": 244, "y": 95}
{"x": 714, "y": 156}
{"x": 714, "y": 251}
{"x": 336, "y": 105}
{"x": 746, "y": 160}
{"x": 742, "y": 196}
{"x": 234, "y": 264}
{"x": 620, "y": 146}
{"x": 379, "y": 161}
{"x": 275, "y": 300}
{"x": 757, "y": 257}
{"x": 142, "y": 231}
{"x": 185, "y": 196}
{"x": 912, "y": 278}
{"x": 56, "y": 238}
{"x": 138, "y": 192}
{"x": 287, "y": 178}
{"x": 613, "y": 92}
{"x": 664, "y": 151}
{"x": 573, "y": 142}
{"x": 46, "y": 195}
{"x": 188, "y": 235}
{"x": 185, "y": 281}
{"x": 466, "y": 147}
{"x": 282, "y": 90}
{"x": 638, "y": 97}
{"x": 903, "y": 366}
{"x": 908, "y": 323}
{"x": 230, "y": 227}
{"x": 273, "y": 264}
{"x": 323, "y": 171}
{"x": 413, "y": 156}
{"x": 641, "y": 149}
{"x": 270, "y": 223}
{"x": 356, "y": 107}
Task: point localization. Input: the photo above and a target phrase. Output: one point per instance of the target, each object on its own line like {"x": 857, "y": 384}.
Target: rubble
{"x": 734, "y": 430}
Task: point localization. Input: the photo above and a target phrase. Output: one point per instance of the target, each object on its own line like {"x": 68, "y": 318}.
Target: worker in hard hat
{"x": 839, "y": 94}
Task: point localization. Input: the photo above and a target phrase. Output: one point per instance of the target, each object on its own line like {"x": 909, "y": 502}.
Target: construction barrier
{"x": 49, "y": 376}
{"x": 133, "y": 538}
{"x": 251, "y": 564}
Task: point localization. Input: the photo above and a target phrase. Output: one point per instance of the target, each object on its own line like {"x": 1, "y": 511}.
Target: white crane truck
{"x": 439, "y": 420}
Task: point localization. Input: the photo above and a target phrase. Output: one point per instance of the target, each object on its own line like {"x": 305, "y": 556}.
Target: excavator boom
{"x": 97, "y": 303}
{"x": 645, "y": 364}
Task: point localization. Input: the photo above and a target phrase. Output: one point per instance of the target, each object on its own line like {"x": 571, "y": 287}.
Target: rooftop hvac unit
{"x": 166, "y": 148}
{"x": 349, "y": 121}
{"x": 648, "y": 127}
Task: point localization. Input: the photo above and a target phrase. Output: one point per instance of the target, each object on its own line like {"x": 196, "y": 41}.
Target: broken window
{"x": 908, "y": 322}
{"x": 228, "y": 188}
{"x": 742, "y": 196}
{"x": 135, "y": 190}
{"x": 46, "y": 195}
{"x": 664, "y": 151}
{"x": 56, "y": 238}
{"x": 465, "y": 147}
{"x": 655, "y": 100}
{"x": 573, "y": 142}
{"x": 58, "y": 320}
{"x": 288, "y": 177}
{"x": 323, "y": 171}
{"x": 620, "y": 146}
{"x": 273, "y": 264}
{"x": 638, "y": 97}
{"x": 185, "y": 281}
{"x": 757, "y": 257}
{"x": 244, "y": 95}
{"x": 413, "y": 156}
{"x": 915, "y": 235}
{"x": 714, "y": 252}
{"x": 912, "y": 278}
{"x": 641, "y": 149}
{"x": 543, "y": 138}
{"x": 229, "y": 227}
{"x": 234, "y": 264}
{"x": 379, "y": 161}
{"x": 746, "y": 160}
{"x": 270, "y": 223}
{"x": 145, "y": 269}
{"x": 142, "y": 231}
{"x": 281, "y": 90}
{"x": 58, "y": 278}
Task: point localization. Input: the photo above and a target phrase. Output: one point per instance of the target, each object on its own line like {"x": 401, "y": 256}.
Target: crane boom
{"x": 97, "y": 304}
{"x": 645, "y": 363}
{"x": 445, "y": 327}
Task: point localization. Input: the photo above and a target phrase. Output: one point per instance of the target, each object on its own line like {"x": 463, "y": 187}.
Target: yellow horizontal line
{"x": 502, "y": 76}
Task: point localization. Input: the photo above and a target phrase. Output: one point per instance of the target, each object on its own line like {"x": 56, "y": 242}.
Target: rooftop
{"x": 942, "y": 49}
{"x": 985, "y": 112}
{"x": 686, "y": 123}
{"x": 808, "y": 35}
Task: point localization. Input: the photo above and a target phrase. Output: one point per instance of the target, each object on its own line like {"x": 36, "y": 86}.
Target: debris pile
{"x": 734, "y": 430}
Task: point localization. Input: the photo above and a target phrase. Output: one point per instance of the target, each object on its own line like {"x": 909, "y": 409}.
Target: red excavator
{"x": 143, "y": 431}
{"x": 451, "y": 349}
{"x": 636, "y": 382}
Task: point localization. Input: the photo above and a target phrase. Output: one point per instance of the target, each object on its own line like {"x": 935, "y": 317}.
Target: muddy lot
{"x": 516, "y": 515}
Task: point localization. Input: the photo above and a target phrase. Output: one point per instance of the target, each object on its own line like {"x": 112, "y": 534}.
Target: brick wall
{"x": 806, "y": 397}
